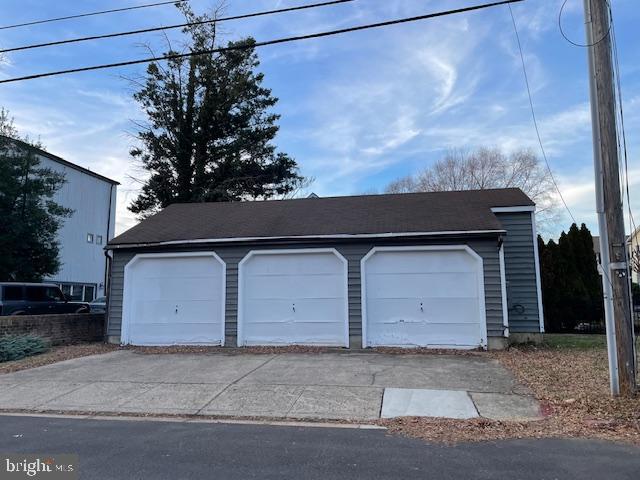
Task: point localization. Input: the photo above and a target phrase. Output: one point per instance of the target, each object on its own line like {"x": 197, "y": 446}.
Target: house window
{"x": 89, "y": 237}
{"x": 76, "y": 293}
{"x": 98, "y": 239}
{"x": 79, "y": 292}
{"x": 88, "y": 293}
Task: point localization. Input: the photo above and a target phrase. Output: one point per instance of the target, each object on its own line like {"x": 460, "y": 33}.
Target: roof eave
{"x": 294, "y": 238}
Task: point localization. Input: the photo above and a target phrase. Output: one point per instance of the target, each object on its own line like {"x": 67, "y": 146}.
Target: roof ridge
{"x": 368, "y": 195}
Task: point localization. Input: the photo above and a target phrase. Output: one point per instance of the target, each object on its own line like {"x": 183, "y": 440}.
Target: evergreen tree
{"x": 30, "y": 217}
{"x": 571, "y": 284}
{"x": 210, "y": 127}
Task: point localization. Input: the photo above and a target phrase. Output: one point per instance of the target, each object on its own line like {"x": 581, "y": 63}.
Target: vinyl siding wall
{"x": 352, "y": 250}
{"x": 520, "y": 272}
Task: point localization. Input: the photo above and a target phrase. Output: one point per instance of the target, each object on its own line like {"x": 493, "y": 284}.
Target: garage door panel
{"x": 309, "y": 286}
{"x": 417, "y": 285}
{"x": 281, "y": 334}
{"x": 417, "y": 296}
{"x": 166, "y": 334}
{"x": 174, "y": 300}
{"x": 417, "y": 262}
{"x": 169, "y": 267}
{"x": 200, "y": 288}
{"x": 438, "y": 335}
{"x": 293, "y": 297}
{"x": 284, "y": 263}
{"x": 268, "y": 310}
{"x": 449, "y": 310}
{"x": 164, "y": 311}
{"x": 306, "y": 310}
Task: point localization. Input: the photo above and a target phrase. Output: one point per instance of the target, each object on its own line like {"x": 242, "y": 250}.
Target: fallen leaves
{"x": 57, "y": 354}
{"x": 573, "y": 389}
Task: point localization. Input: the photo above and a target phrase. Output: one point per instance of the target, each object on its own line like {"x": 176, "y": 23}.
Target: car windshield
{"x": 99, "y": 300}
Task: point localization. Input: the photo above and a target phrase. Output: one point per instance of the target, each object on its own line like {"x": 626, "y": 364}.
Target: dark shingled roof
{"x": 431, "y": 212}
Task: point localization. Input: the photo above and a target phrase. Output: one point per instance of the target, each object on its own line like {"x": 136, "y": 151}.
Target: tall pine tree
{"x": 211, "y": 129}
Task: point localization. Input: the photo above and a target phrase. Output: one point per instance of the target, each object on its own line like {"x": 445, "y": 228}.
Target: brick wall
{"x": 58, "y": 329}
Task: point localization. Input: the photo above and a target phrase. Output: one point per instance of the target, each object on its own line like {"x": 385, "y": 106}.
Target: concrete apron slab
{"x": 411, "y": 402}
{"x": 278, "y": 386}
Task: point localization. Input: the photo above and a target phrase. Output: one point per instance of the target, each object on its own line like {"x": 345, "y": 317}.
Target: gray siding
{"x": 520, "y": 272}
{"x": 353, "y": 251}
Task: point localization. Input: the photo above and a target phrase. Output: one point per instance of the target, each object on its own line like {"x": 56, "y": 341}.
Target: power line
{"x": 576, "y": 44}
{"x": 91, "y": 14}
{"x": 247, "y": 46}
{"x": 179, "y": 25}
{"x": 533, "y": 114}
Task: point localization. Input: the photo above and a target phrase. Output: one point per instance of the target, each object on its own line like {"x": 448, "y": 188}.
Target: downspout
{"x": 107, "y": 272}
{"x": 107, "y": 287}
{"x": 503, "y": 289}
{"x": 107, "y": 238}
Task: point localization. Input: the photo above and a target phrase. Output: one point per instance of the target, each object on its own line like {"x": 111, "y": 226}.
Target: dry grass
{"x": 56, "y": 354}
{"x": 572, "y": 385}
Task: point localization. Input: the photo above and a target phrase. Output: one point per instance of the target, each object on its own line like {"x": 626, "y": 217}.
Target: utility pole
{"x": 613, "y": 245}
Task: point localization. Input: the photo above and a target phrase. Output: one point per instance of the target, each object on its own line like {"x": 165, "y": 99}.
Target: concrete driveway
{"x": 355, "y": 386}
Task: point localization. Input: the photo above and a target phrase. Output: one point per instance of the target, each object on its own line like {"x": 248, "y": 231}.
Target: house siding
{"x": 353, "y": 251}
{"x": 520, "y": 272}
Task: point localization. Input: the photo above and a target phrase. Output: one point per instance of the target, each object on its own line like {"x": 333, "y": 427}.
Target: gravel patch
{"x": 57, "y": 354}
{"x": 573, "y": 389}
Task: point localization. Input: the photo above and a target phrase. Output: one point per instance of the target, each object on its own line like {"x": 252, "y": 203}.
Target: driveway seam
{"x": 63, "y": 394}
{"x": 474, "y": 403}
{"x": 234, "y": 383}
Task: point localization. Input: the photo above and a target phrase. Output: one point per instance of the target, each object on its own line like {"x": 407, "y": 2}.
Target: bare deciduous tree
{"x": 487, "y": 168}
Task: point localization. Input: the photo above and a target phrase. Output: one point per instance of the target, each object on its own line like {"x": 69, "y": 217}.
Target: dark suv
{"x": 36, "y": 299}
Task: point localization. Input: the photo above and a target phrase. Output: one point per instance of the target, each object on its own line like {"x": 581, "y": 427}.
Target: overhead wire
{"x": 252, "y": 45}
{"x": 566, "y": 37}
{"x": 91, "y": 14}
{"x": 533, "y": 115}
{"x": 174, "y": 26}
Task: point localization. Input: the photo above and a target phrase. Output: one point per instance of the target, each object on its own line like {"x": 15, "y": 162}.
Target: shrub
{"x": 15, "y": 347}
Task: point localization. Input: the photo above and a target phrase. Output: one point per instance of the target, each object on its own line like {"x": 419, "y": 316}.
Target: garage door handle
{"x": 294, "y": 307}
{"x": 176, "y": 309}
{"x": 421, "y": 308}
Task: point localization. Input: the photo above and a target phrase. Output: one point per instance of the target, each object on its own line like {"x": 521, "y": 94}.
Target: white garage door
{"x": 423, "y": 296}
{"x": 293, "y": 297}
{"x": 174, "y": 300}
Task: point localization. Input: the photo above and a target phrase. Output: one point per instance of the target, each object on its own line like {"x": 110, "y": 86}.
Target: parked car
{"x": 36, "y": 299}
{"x": 99, "y": 305}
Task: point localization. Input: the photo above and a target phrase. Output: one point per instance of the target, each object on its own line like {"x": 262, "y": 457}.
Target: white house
{"x": 82, "y": 238}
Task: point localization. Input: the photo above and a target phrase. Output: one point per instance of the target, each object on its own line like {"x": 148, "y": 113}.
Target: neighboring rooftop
{"x": 405, "y": 213}
{"x": 60, "y": 160}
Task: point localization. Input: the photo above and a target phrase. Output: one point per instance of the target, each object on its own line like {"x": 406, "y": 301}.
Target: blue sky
{"x": 358, "y": 110}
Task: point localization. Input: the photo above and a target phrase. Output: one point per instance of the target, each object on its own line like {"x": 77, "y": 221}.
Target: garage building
{"x": 437, "y": 269}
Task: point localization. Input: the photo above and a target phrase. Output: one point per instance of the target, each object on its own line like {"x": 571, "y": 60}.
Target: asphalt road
{"x": 121, "y": 449}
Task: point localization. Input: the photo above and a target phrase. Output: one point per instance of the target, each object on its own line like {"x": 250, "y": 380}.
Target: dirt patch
{"x": 57, "y": 354}
{"x": 573, "y": 389}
